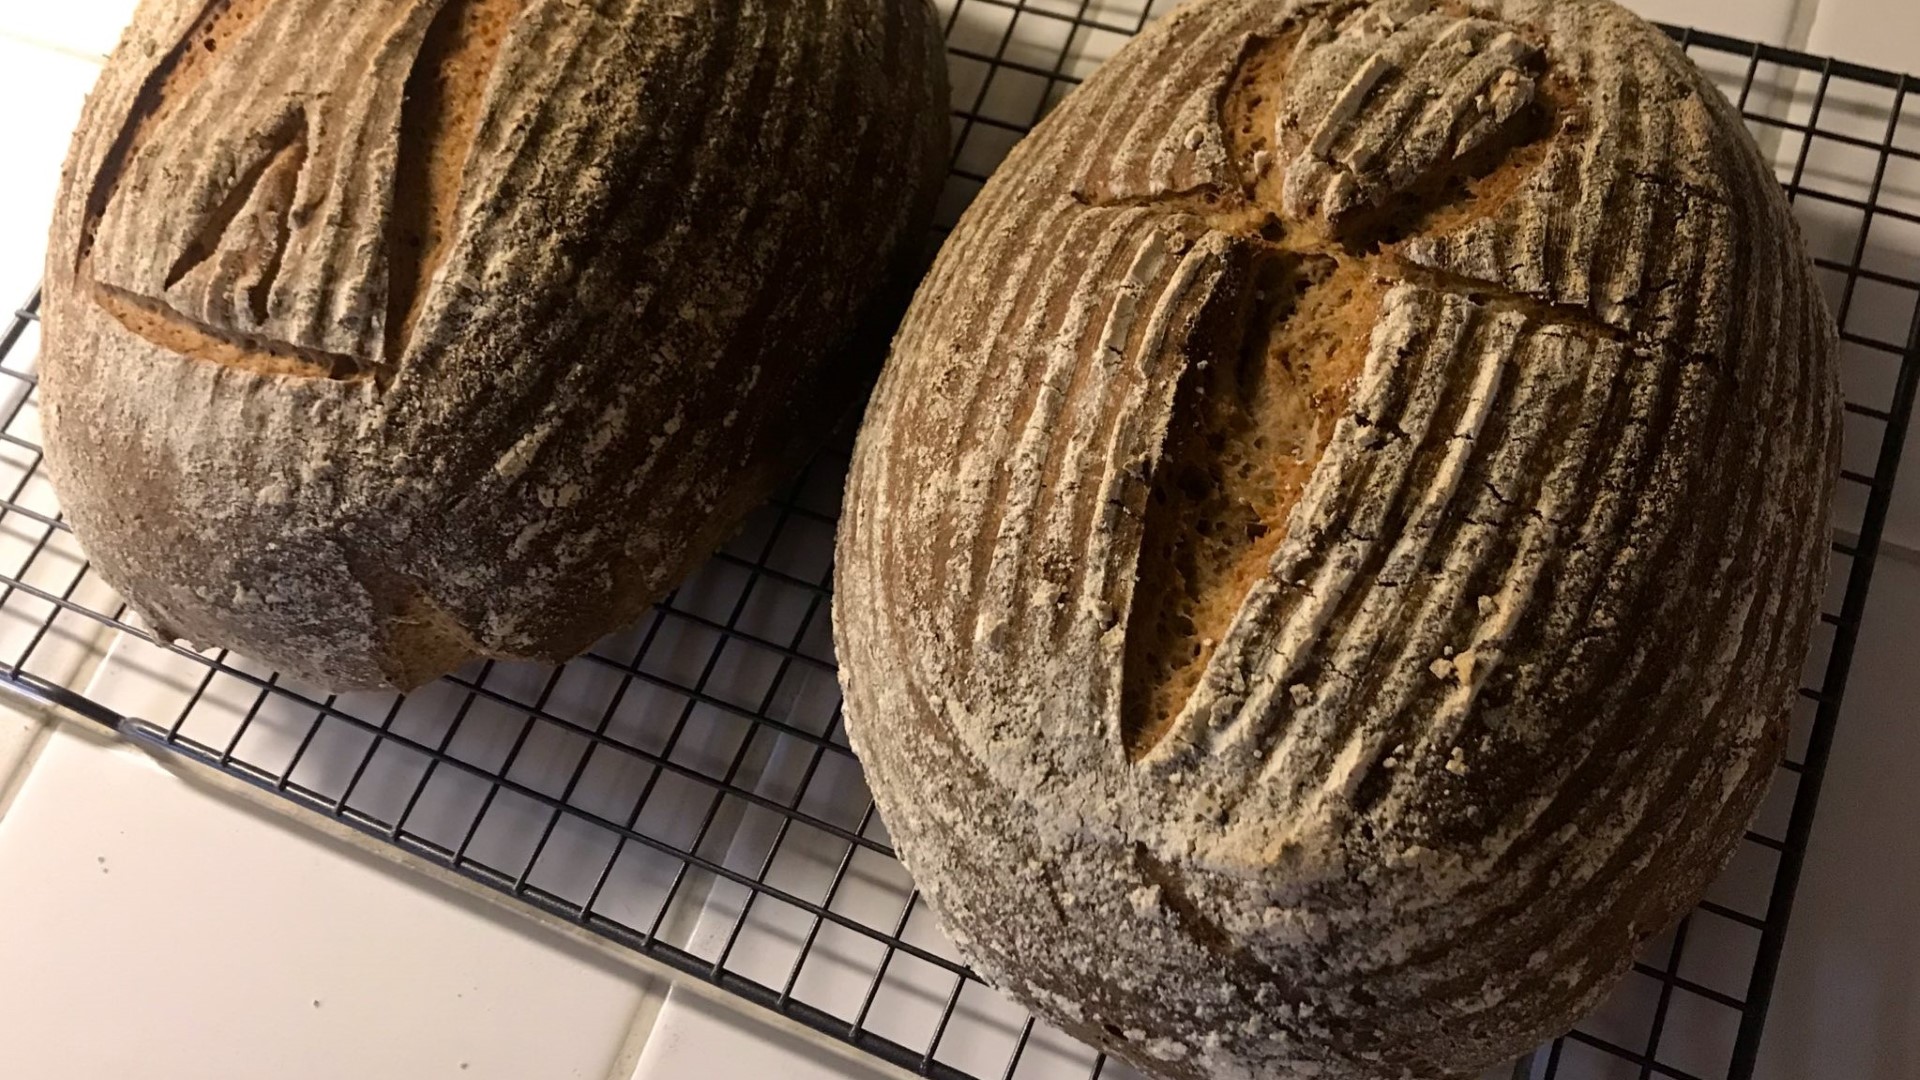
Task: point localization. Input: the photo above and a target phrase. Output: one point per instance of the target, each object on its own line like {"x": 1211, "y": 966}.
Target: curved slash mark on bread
{"x": 1293, "y": 344}
{"x": 173, "y": 76}
{"x": 288, "y": 170}
{"x": 285, "y": 153}
{"x": 274, "y": 176}
{"x": 181, "y": 335}
{"x": 440, "y": 116}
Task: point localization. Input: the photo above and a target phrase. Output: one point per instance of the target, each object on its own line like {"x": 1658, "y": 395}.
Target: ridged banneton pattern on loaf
{"x": 380, "y": 336}
{"x": 1325, "y": 569}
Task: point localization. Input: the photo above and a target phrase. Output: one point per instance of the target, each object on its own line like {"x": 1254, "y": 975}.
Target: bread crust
{"x": 1512, "y": 684}
{"x": 384, "y": 336}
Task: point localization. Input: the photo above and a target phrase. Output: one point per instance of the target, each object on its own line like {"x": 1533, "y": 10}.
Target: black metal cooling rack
{"x": 686, "y": 790}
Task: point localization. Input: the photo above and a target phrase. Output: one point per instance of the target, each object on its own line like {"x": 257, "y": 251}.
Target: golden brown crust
{"x": 384, "y": 335}
{"x": 1509, "y": 685}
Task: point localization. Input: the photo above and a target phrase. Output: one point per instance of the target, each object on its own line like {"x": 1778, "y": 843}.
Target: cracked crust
{"x": 384, "y": 336}
{"x": 1500, "y": 697}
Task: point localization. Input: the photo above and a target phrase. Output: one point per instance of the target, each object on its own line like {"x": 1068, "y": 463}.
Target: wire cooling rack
{"x": 686, "y": 790}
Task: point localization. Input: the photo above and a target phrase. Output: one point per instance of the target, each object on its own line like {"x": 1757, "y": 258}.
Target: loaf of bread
{"x": 1324, "y": 572}
{"x": 381, "y": 336}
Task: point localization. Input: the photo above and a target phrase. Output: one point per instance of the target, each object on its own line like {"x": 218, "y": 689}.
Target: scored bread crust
{"x": 384, "y": 336}
{"x": 1504, "y": 693}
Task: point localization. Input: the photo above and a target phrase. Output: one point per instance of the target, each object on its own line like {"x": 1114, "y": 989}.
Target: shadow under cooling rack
{"x": 686, "y": 789}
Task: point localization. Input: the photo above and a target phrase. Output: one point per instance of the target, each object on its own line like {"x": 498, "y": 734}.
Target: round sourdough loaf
{"x": 1324, "y": 572}
{"x": 380, "y": 336}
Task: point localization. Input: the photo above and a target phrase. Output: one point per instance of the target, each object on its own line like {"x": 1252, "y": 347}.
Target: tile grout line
{"x": 49, "y": 717}
{"x": 646, "y": 1016}
{"x": 1800, "y": 27}
{"x": 44, "y": 721}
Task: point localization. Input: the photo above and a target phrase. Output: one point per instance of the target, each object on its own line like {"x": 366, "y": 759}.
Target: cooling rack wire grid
{"x": 685, "y": 791}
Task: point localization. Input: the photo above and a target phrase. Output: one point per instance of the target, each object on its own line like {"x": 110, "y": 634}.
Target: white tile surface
{"x": 841, "y": 964}
{"x": 42, "y": 90}
{"x": 331, "y": 758}
{"x": 1770, "y": 21}
{"x": 150, "y": 930}
{"x": 20, "y": 732}
{"x": 1879, "y": 33}
{"x": 1883, "y": 33}
{"x": 75, "y": 643}
{"x": 41, "y": 557}
{"x": 84, "y": 27}
{"x": 1848, "y": 999}
{"x": 694, "y": 1037}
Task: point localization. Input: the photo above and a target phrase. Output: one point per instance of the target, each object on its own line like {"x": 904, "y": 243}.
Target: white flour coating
{"x": 557, "y": 426}
{"x": 1518, "y": 673}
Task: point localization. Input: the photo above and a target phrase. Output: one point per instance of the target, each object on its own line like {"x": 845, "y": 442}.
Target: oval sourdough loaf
{"x": 383, "y": 336}
{"x": 1324, "y": 572}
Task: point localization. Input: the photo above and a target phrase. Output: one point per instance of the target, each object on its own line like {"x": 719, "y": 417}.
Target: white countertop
{"x": 150, "y": 929}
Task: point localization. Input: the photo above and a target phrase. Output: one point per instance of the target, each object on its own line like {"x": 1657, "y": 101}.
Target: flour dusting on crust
{"x": 1499, "y": 698}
